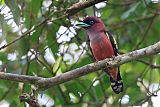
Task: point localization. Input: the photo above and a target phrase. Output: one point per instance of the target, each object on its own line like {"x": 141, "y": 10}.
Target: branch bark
{"x": 19, "y": 78}
{"x": 44, "y": 83}
{"x": 75, "y": 8}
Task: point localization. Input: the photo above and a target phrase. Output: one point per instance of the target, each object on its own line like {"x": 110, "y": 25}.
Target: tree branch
{"x": 70, "y": 75}
{"x": 75, "y": 8}
{"x": 19, "y": 78}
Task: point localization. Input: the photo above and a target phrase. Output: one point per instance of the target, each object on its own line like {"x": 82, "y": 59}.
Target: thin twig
{"x": 29, "y": 31}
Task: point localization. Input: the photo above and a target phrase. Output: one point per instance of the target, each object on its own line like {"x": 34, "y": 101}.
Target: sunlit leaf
{"x": 12, "y": 4}
{"x": 57, "y": 65}
{"x": 2, "y": 25}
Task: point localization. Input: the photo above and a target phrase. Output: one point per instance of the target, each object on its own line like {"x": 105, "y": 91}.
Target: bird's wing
{"x": 113, "y": 42}
{"x": 117, "y": 85}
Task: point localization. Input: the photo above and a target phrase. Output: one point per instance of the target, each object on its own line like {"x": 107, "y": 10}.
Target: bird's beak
{"x": 82, "y": 24}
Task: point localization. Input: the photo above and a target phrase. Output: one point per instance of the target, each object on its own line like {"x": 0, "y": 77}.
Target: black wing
{"x": 117, "y": 85}
{"x": 113, "y": 42}
{"x": 88, "y": 43}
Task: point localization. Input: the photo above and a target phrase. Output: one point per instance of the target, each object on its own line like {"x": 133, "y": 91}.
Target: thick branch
{"x": 109, "y": 62}
{"x": 19, "y": 78}
{"x": 70, "y": 75}
{"x": 75, "y": 8}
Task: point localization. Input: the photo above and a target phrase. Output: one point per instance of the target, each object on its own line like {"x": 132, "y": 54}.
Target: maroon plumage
{"x": 103, "y": 46}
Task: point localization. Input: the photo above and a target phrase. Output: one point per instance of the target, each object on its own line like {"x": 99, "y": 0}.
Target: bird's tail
{"x": 115, "y": 79}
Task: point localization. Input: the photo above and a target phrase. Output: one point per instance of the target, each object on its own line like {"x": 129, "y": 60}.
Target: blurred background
{"x": 53, "y": 46}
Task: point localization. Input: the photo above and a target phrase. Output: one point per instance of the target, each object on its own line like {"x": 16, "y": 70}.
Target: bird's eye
{"x": 91, "y": 22}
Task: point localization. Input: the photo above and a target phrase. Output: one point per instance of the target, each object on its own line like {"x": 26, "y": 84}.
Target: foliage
{"x": 54, "y": 47}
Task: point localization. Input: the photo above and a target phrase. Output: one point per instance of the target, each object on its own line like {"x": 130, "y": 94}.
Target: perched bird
{"x": 103, "y": 46}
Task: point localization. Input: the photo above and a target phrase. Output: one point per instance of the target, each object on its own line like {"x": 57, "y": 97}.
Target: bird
{"x": 103, "y": 46}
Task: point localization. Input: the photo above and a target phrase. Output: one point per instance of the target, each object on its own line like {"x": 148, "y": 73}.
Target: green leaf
{"x": 35, "y": 36}
{"x": 36, "y": 6}
{"x": 131, "y": 10}
{"x": 82, "y": 62}
{"x": 3, "y": 26}
{"x": 2, "y": 2}
{"x": 74, "y": 98}
{"x": 90, "y": 11}
{"x": 135, "y": 95}
{"x": 98, "y": 90}
{"x": 23, "y": 46}
{"x": 12, "y": 4}
{"x": 31, "y": 13}
{"x": 3, "y": 56}
{"x": 51, "y": 38}
{"x": 57, "y": 64}
{"x": 148, "y": 1}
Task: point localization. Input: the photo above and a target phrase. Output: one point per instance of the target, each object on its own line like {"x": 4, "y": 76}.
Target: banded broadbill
{"x": 103, "y": 46}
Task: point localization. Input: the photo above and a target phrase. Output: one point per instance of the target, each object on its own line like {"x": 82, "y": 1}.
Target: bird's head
{"x": 92, "y": 24}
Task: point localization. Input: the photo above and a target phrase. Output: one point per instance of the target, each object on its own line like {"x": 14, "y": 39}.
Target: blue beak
{"x": 82, "y": 24}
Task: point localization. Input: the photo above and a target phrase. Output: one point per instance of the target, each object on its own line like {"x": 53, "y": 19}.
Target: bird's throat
{"x": 93, "y": 37}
